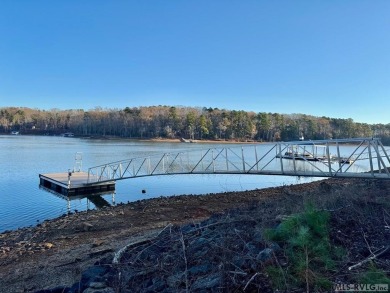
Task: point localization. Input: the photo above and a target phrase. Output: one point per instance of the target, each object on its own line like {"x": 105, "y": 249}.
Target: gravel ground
{"x": 55, "y": 253}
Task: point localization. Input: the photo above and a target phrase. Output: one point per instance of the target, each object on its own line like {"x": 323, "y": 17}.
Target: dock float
{"x": 74, "y": 183}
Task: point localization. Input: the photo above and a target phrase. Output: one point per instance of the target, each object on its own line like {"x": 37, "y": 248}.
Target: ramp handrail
{"x": 365, "y": 158}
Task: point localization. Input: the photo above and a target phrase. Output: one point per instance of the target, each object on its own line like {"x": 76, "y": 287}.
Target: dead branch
{"x": 384, "y": 219}
{"x": 185, "y": 259}
{"x": 237, "y": 273}
{"x": 99, "y": 252}
{"x": 365, "y": 240}
{"x": 250, "y": 280}
{"x": 118, "y": 255}
{"x": 280, "y": 268}
{"x": 373, "y": 256}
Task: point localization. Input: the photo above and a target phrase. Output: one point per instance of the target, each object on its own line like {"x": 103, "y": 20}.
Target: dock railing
{"x": 346, "y": 158}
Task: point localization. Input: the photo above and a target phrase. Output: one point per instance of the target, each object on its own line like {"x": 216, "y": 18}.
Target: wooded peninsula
{"x": 184, "y": 122}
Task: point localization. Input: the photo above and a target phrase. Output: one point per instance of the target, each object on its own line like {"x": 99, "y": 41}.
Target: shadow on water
{"x": 95, "y": 198}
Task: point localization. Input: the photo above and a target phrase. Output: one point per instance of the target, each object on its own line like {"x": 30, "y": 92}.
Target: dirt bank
{"x": 55, "y": 253}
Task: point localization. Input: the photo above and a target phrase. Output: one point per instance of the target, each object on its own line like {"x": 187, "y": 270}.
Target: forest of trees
{"x": 185, "y": 122}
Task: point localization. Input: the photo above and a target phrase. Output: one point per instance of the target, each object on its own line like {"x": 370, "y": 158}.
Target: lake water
{"x": 23, "y": 203}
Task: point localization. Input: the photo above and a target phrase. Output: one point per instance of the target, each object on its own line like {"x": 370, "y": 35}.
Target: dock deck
{"x": 76, "y": 184}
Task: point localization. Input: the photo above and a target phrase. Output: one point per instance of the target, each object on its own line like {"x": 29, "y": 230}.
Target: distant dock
{"x": 74, "y": 183}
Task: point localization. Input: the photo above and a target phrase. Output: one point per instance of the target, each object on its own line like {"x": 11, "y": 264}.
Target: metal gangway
{"x": 338, "y": 158}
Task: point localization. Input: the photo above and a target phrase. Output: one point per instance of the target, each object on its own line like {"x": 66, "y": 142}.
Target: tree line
{"x": 185, "y": 122}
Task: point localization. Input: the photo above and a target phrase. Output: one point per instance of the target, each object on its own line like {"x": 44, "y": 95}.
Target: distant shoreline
{"x": 169, "y": 140}
{"x": 199, "y": 141}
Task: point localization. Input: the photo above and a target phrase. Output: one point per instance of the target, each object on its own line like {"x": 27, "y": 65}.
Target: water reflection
{"x": 95, "y": 198}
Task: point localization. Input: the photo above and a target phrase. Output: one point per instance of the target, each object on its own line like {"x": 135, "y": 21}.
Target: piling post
{"x": 328, "y": 158}
{"x": 69, "y": 174}
{"x": 243, "y": 160}
{"x": 370, "y": 157}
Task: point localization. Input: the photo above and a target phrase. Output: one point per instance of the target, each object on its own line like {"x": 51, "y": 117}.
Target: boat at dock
{"x": 315, "y": 153}
{"x": 300, "y": 157}
{"x": 346, "y": 160}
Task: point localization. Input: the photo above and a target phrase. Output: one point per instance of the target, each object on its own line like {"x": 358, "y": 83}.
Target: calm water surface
{"x": 23, "y": 203}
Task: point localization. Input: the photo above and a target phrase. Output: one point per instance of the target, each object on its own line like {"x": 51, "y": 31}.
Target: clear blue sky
{"x": 323, "y": 58}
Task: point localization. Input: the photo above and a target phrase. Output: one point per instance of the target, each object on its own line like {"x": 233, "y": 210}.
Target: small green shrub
{"x": 305, "y": 240}
{"x": 277, "y": 276}
{"x": 374, "y": 276}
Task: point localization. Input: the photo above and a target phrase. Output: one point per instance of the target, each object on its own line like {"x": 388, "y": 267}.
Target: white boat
{"x": 184, "y": 140}
{"x": 15, "y": 132}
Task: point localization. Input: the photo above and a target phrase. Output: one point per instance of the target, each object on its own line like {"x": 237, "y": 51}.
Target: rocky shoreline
{"x": 221, "y": 235}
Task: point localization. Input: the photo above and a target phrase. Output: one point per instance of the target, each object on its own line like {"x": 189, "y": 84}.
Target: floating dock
{"x": 74, "y": 183}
